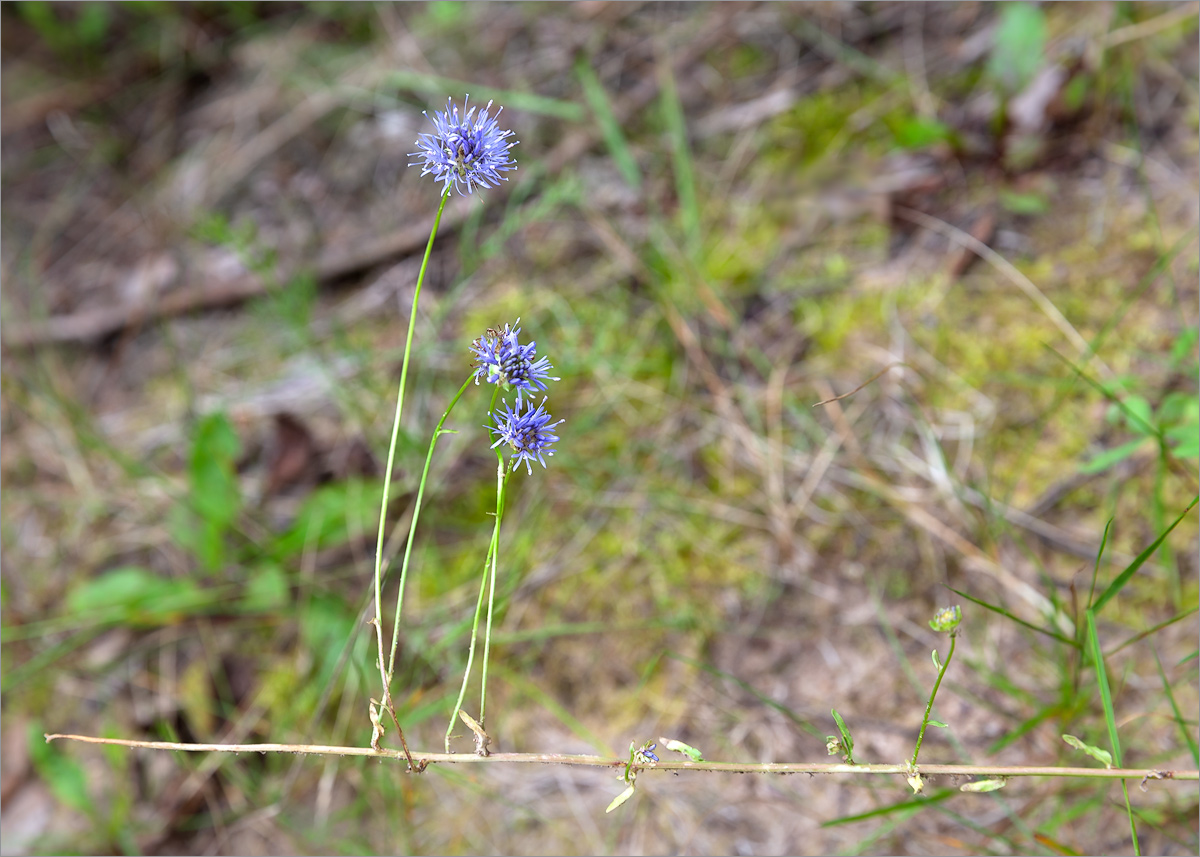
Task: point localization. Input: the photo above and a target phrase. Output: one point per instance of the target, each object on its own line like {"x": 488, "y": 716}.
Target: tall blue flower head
{"x": 465, "y": 148}
{"x": 501, "y": 359}
{"x": 527, "y": 430}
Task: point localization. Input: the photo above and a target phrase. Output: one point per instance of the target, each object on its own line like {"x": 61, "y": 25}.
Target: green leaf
{"x": 266, "y": 590}
{"x": 1110, "y": 717}
{"x": 1109, "y": 457}
{"x": 215, "y": 497}
{"x": 60, "y": 772}
{"x": 1139, "y": 561}
{"x": 1023, "y": 203}
{"x": 1019, "y": 47}
{"x": 937, "y": 665}
{"x": 679, "y": 747}
{"x": 1009, "y": 615}
{"x": 1179, "y": 718}
{"x": 329, "y": 515}
{"x": 938, "y": 724}
{"x": 847, "y": 738}
{"x": 1102, "y": 756}
{"x": 989, "y": 785}
{"x": 917, "y": 132}
{"x": 610, "y": 128}
{"x": 136, "y": 596}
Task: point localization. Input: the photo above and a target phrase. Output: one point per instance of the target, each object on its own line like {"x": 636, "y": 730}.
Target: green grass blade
{"x": 1141, "y": 635}
{"x": 913, "y": 804}
{"x": 765, "y": 700}
{"x": 1102, "y": 682}
{"x": 1183, "y": 727}
{"x": 513, "y": 99}
{"x": 1099, "y": 555}
{"x": 1025, "y": 728}
{"x": 1109, "y": 715}
{"x": 1139, "y": 561}
{"x": 610, "y": 128}
{"x": 685, "y": 180}
{"x": 1008, "y": 615}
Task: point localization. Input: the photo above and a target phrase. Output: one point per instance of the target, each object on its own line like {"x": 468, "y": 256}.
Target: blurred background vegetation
{"x": 723, "y": 214}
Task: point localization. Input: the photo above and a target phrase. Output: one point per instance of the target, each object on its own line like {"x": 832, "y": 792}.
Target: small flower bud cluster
{"x": 501, "y": 359}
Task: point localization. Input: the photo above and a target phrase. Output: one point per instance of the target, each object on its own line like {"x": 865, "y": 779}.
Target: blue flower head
{"x": 501, "y": 359}
{"x": 527, "y": 430}
{"x": 465, "y": 148}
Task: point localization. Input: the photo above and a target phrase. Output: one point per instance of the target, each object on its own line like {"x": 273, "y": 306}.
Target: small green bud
{"x": 946, "y": 619}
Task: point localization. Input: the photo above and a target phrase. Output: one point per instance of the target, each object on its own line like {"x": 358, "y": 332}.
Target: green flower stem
{"x": 462, "y": 691}
{"x": 391, "y": 459}
{"x": 501, "y": 485}
{"x": 412, "y": 527}
{"x": 489, "y": 573}
{"x": 932, "y": 696}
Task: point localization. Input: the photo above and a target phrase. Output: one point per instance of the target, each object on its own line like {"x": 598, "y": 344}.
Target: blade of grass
{"x": 1183, "y": 727}
{"x": 1141, "y": 635}
{"x": 1139, "y": 560}
{"x": 1099, "y": 554}
{"x": 765, "y": 700}
{"x": 681, "y": 155}
{"x": 514, "y": 99}
{"x": 1008, "y": 615}
{"x": 913, "y": 804}
{"x": 527, "y": 688}
{"x": 1109, "y": 715}
{"x": 610, "y": 127}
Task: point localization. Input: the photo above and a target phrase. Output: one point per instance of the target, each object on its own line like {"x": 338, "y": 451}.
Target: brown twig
{"x": 612, "y": 762}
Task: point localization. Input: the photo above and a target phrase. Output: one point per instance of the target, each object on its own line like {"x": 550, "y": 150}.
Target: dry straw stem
{"x": 424, "y": 759}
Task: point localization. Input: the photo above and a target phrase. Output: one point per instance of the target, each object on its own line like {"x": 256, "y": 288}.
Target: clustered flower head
{"x": 527, "y": 430}
{"x": 465, "y": 148}
{"x": 946, "y": 619}
{"x": 501, "y": 359}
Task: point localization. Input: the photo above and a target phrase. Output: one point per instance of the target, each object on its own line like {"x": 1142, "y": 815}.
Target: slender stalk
{"x": 1147, "y": 774}
{"x": 391, "y": 459}
{"x": 932, "y": 696}
{"x": 462, "y": 691}
{"x": 501, "y": 485}
{"x": 412, "y": 527}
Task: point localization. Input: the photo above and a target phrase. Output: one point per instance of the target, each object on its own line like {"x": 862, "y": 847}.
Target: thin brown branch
{"x": 613, "y": 762}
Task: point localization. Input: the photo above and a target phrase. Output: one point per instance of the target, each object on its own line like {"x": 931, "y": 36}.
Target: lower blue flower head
{"x": 527, "y": 430}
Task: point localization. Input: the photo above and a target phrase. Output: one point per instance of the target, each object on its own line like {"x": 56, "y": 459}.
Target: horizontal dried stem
{"x": 613, "y": 762}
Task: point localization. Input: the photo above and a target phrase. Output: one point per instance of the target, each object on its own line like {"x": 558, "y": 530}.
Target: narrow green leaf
{"x": 60, "y": 772}
{"x": 1110, "y": 717}
{"x": 937, "y": 665}
{"x": 679, "y": 747}
{"x": 1179, "y": 721}
{"x": 761, "y": 697}
{"x": 847, "y": 738}
{"x": 1008, "y": 615}
{"x": 1101, "y": 756}
{"x": 989, "y": 785}
{"x": 938, "y": 724}
{"x": 1113, "y": 456}
{"x": 1139, "y": 561}
{"x": 909, "y": 806}
{"x": 610, "y": 128}
{"x": 685, "y": 181}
